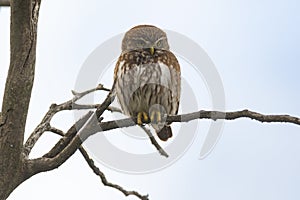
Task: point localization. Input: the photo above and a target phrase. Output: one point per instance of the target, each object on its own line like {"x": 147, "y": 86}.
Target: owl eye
{"x": 140, "y": 43}
{"x": 159, "y": 44}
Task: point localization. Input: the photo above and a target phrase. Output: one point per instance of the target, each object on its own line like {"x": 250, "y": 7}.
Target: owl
{"x": 147, "y": 78}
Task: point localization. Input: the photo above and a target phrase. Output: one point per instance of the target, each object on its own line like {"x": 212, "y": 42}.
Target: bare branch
{"x": 56, "y": 131}
{"x": 66, "y": 146}
{"x": 106, "y": 103}
{"x": 154, "y": 142}
{"x": 214, "y": 115}
{"x": 92, "y": 127}
{"x": 54, "y": 108}
{"x": 93, "y": 106}
{"x": 65, "y": 140}
{"x": 78, "y": 95}
{"x": 97, "y": 171}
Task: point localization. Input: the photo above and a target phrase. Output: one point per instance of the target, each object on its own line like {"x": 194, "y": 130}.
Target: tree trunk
{"x": 19, "y": 82}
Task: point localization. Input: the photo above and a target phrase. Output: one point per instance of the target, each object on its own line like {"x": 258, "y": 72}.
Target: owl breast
{"x": 144, "y": 81}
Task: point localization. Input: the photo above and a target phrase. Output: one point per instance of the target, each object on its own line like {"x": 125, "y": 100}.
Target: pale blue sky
{"x": 255, "y": 48}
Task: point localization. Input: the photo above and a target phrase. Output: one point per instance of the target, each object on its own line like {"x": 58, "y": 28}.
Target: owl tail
{"x": 165, "y": 133}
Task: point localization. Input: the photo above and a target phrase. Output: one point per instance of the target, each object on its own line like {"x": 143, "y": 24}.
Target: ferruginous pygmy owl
{"x": 147, "y": 77}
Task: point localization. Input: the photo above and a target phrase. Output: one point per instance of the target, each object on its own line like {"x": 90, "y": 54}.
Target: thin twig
{"x": 154, "y": 142}
{"x": 106, "y": 103}
{"x": 56, "y": 131}
{"x": 97, "y": 171}
{"x": 93, "y": 106}
{"x": 78, "y": 95}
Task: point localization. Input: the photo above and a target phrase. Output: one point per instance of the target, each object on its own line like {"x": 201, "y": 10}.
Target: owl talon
{"x": 156, "y": 116}
{"x": 142, "y": 117}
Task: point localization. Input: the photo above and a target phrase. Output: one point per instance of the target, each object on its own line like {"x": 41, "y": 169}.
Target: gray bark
{"x": 19, "y": 82}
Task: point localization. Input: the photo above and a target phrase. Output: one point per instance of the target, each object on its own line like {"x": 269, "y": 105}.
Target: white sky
{"x": 255, "y": 47}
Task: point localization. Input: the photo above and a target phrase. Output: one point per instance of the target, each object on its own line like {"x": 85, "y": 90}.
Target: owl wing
{"x": 123, "y": 83}
{"x": 174, "y": 83}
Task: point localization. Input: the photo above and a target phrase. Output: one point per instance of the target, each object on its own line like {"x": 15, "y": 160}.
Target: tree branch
{"x": 154, "y": 142}
{"x": 44, "y": 125}
{"x": 68, "y": 146}
{"x": 92, "y": 126}
{"x": 71, "y": 105}
{"x": 106, "y": 103}
{"x": 97, "y": 171}
{"x": 65, "y": 140}
{"x": 215, "y": 115}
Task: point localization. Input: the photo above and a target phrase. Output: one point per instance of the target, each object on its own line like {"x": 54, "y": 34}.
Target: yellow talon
{"x": 139, "y": 118}
{"x": 145, "y": 117}
{"x": 142, "y": 117}
{"x": 152, "y": 117}
{"x": 155, "y": 116}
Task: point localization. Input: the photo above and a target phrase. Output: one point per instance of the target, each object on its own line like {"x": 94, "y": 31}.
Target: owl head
{"x": 145, "y": 37}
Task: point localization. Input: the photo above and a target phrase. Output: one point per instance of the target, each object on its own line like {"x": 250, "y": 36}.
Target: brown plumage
{"x": 147, "y": 78}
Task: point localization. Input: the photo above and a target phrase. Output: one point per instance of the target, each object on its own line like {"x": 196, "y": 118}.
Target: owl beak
{"x": 152, "y": 50}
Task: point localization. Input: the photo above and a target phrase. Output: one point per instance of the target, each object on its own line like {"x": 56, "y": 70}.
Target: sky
{"x": 254, "y": 46}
